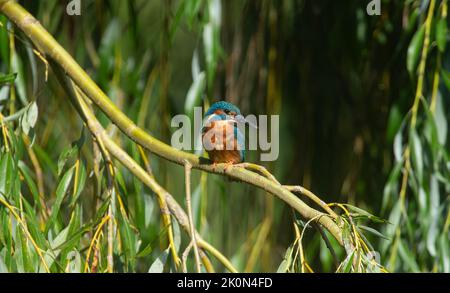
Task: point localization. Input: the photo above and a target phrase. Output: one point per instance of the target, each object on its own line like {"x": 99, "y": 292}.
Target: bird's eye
{"x": 227, "y": 111}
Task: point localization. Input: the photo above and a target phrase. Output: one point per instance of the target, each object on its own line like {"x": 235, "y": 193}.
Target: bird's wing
{"x": 240, "y": 142}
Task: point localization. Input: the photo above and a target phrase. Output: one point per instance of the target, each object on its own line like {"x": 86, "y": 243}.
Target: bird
{"x": 221, "y": 136}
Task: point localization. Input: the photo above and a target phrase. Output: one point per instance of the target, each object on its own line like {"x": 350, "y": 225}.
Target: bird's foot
{"x": 227, "y": 165}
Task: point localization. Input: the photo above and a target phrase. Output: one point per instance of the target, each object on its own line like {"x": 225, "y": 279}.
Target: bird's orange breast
{"x": 221, "y": 143}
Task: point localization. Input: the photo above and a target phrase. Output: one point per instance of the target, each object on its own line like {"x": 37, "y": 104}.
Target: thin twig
{"x": 165, "y": 214}
{"x": 328, "y": 244}
{"x": 39, "y": 177}
{"x": 187, "y": 172}
{"x": 93, "y": 241}
{"x": 206, "y": 262}
{"x": 110, "y": 260}
{"x": 185, "y": 255}
{"x": 312, "y": 196}
{"x": 414, "y": 110}
{"x": 109, "y": 168}
{"x": 259, "y": 169}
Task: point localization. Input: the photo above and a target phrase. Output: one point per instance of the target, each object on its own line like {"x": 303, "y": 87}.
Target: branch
{"x": 47, "y": 45}
{"x": 169, "y": 202}
{"x": 187, "y": 171}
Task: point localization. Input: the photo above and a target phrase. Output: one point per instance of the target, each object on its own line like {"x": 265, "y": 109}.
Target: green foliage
{"x": 344, "y": 84}
{"x": 7, "y": 78}
{"x": 416, "y": 199}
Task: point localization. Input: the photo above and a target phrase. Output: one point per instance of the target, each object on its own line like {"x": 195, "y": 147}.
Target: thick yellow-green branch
{"x": 47, "y": 45}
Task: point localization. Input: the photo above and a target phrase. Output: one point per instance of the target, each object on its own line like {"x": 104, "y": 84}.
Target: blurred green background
{"x": 343, "y": 82}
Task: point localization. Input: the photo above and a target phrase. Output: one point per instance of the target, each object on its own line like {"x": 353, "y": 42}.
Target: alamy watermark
{"x": 258, "y": 137}
{"x": 374, "y": 7}
{"x": 74, "y": 7}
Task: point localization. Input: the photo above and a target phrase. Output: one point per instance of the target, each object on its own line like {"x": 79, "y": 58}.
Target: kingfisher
{"x": 221, "y": 135}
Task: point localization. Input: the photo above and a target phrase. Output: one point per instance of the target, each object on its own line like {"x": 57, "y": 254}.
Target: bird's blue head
{"x": 226, "y": 111}
{"x": 223, "y": 109}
